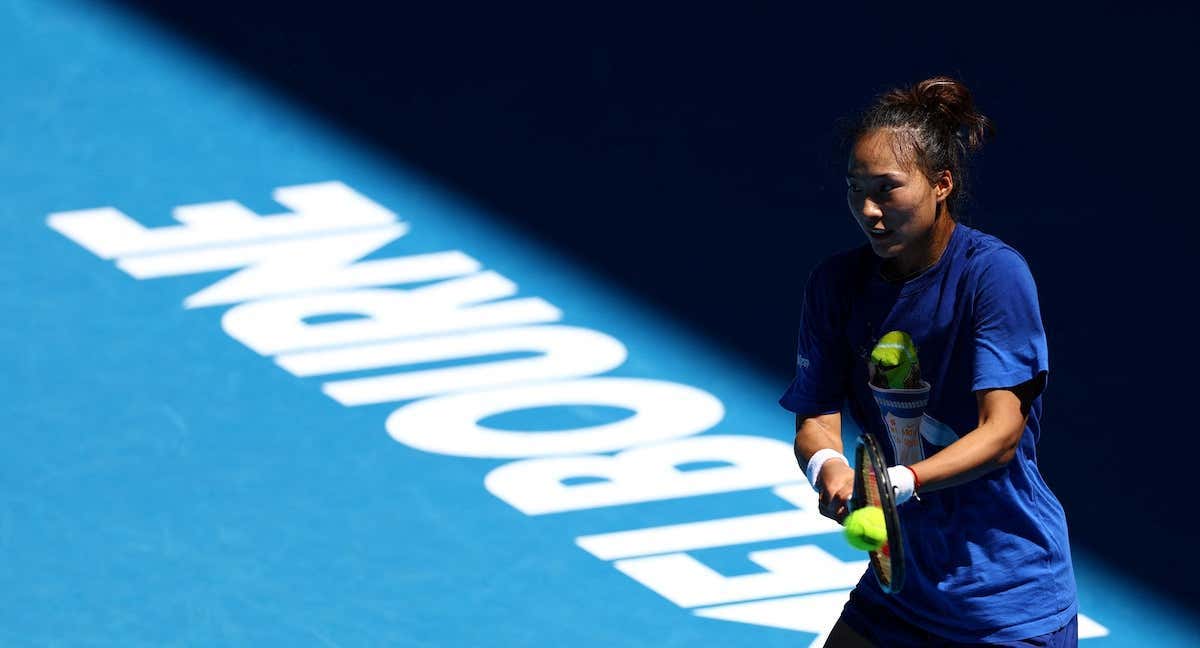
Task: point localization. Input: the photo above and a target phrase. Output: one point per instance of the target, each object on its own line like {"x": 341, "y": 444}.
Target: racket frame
{"x": 869, "y": 453}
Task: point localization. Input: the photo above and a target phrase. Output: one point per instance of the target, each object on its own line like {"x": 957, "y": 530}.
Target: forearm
{"x": 814, "y": 433}
{"x": 986, "y": 448}
{"x": 833, "y": 480}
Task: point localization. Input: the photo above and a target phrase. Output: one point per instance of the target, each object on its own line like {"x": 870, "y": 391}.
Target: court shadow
{"x": 692, "y": 158}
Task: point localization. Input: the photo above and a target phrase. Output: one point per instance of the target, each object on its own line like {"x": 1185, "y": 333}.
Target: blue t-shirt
{"x": 987, "y": 560}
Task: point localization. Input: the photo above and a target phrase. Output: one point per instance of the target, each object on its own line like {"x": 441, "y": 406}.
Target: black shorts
{"x": 882, "y": 627}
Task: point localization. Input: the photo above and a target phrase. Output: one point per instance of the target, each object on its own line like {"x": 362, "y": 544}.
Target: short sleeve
{"x": 1010, "y": 341}
{"x": 822, "y": 365}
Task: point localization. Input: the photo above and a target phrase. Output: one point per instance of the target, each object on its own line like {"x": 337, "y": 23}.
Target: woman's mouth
{"x": 880, "y": 234}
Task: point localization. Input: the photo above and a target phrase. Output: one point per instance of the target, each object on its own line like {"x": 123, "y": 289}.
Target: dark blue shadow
{"x": 691, "y": 157}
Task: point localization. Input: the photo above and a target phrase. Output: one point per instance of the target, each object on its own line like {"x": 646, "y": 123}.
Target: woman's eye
{"x": 854, "y": 189}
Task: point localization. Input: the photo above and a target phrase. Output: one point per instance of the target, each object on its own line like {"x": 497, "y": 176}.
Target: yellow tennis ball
{"x": 866, "y": 528}
{"x": 895, "y": 356}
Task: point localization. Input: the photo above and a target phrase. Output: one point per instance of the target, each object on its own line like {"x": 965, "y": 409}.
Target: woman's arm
{"x": 1002, "y": 415}
{"x": 815, "y": 433}
{"x": 835, "y": 482}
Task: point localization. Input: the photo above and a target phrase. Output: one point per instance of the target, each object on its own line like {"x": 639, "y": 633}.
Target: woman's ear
{"x": 943, "y": 185}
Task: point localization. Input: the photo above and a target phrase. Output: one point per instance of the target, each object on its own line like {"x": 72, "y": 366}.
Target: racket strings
{"x": 881, "y": 558}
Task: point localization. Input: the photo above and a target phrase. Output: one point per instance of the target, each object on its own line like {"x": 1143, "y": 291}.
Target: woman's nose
{"x": 871, "y": 210}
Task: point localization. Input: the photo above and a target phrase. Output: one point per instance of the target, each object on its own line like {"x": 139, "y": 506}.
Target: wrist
{"x": 818, "y": 460}
{"x": 904, "y": 481}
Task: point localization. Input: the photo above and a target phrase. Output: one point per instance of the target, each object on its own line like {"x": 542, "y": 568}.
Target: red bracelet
{"x": 916, "y": 480}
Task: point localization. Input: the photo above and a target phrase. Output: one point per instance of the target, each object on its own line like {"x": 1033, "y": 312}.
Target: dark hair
{"x": 937, "y": 127}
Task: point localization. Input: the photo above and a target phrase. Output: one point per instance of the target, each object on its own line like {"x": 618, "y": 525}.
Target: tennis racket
{"x": 873, "y": 488}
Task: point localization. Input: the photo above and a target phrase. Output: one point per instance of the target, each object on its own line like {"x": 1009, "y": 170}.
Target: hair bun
{"x": 952, "y": 104}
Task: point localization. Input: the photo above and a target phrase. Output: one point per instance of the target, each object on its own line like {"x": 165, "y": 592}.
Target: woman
{"x": 987, "y": 555}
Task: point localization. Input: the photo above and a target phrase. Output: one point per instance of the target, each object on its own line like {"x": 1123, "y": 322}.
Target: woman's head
{"x": 907, "y": 169}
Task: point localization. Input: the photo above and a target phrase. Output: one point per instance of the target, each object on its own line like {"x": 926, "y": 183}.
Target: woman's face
{"x": 894, "y": 203}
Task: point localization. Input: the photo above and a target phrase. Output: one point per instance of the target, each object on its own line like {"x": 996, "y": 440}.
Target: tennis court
{"x": 432, "y": 431}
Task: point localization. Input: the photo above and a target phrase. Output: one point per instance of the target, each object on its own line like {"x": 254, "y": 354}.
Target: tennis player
{"x": 987, "y": 555}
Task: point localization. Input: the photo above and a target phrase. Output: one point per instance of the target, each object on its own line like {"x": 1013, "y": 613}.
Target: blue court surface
{"x": 264, "y": 387}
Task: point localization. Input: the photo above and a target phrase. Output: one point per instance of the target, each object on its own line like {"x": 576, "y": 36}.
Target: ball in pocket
{"x": 894, "y": 363}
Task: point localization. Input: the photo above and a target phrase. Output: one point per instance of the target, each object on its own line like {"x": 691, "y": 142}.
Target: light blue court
{"x": 263, "y": 388}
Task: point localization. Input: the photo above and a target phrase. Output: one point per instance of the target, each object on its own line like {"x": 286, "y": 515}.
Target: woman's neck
{"x": 925, "y": 256}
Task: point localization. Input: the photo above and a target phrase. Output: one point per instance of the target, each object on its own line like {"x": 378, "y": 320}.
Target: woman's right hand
{"x": 835, "y": 486}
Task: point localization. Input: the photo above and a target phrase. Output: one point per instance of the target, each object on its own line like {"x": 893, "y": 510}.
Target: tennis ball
{"x": 895, "y": 359}
{"x": 866, "y": 529}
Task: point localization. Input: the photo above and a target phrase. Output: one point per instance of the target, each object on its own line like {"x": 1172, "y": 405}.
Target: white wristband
{"x": 818, "y": 459}
{"x": 902, "y": 483}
